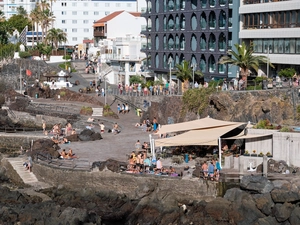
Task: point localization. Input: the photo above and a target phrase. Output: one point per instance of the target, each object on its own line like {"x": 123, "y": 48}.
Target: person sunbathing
{"x": 71, "y": 155}
{"x": 63, "y": 154}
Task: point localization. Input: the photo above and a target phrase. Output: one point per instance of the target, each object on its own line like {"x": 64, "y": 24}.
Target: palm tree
{"x": 34, "y": 15}
{"x": 45, "y": 14}
{"x": 185, "y": 73}
{"x": 47, "y": 19}
{"x": 22, "y": 11}
{"x": 244, "y": 59}
{"x": 56, "y": 37}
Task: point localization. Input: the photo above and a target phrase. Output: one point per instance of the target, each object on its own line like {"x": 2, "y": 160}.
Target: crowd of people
{"x": 211, "y": 170}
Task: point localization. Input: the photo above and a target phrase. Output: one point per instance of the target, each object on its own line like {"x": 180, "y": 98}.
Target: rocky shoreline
{"x": 108, "y": 198}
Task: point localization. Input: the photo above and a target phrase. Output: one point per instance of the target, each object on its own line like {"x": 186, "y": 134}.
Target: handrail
{"x": 126, "y": 102}
{"x": 7, "y": 129}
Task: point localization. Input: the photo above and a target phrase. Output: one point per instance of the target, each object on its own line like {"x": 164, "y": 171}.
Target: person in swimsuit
{"x": 204, "y": 168}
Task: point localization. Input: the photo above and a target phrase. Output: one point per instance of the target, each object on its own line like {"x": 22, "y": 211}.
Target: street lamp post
{"x": 170, "y": 67}
{"x": 194, "y": 67}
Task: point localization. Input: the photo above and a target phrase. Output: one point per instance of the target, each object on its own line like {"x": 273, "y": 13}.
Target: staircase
{"x": 27, "y": 177}
{"x": 97, "y": 112}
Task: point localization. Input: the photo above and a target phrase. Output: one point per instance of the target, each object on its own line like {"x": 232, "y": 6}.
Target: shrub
{"x": 88, "y": 111}
{"x": 62, "y": 93}
{"x": 67, "y": 57}
{"x": 264, "y": 124}
{"x": 285, "y": 129}
{"x": 287, "y": 72}
{"x": 24, "y": 54}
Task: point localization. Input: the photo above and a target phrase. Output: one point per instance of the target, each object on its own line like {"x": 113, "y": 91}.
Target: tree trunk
{"x": 186, "y": 85}
{"x": 245, "y": 74}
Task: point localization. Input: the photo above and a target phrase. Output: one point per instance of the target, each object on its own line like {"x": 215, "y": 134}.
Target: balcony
{"x": 247, "y": 2}
{"x": 98, "y": 33}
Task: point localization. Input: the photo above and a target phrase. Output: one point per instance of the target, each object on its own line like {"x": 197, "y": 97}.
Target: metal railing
{"x": 7, "y": 129}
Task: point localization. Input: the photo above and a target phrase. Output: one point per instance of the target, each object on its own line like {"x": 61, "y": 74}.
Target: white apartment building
{"x": 76, "y": 18}
{"x": 274, "y": 28}
{"x": 9, "y": 7}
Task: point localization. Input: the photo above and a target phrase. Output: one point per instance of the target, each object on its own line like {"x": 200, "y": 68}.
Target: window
{"x": 194, "y": 43}
{"x": 63, "y": 21}
{"x": 74, "y": 4}
{"x": 74, "y": 13}
{"x": 129, "y": 5}
{"x": 298, "y": 45}
{"x": 63, "y": 13}
{"x": 96, "y": 13}
{"x": 118, "y": 5}
{"x": 85, "y": 13}
{"x": 85, "y": 21}
{"x": 74, "y": 38}
{"x": 85, "y": 4}
{"x": 65, "y": 30}
{"x": 74, "y": 30}
{"x": 194, "y": 22}
{"x": 74, "y": 21}
{"x": 85, "y": 30}
{"x": 63, "y": 4}
{"x": 96, "y": 4}
{"x": 107, "y": 13}
{"x": 106, "y": 5}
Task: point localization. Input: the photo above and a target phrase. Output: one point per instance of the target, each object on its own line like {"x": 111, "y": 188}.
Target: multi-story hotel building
{"x": 76, "y": 18}
{"x": 197, "y": 31}
{"x": 274, "y": 28}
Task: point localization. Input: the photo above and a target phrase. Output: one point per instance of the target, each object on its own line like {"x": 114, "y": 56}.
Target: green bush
{"x": 287, "y": 72}
{"x": 285, "y": 129}
{"x": 264, "y": 124}
{"x": 24, "y": 55}
{"x": 67, "y": 57}
{"x": 62, "y": 93}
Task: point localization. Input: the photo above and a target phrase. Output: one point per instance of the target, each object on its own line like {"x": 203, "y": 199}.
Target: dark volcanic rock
{"x": 218, "y": 209}
{"x": 73, "y": 138}
{"x": 46, "y": 147}
{"x": 267, "y": 221}
{"x": 110, "y": 164}
{"x": 89, "y": 135}
{"x": 264, "y": 203}
{"x": 295, "y": 216}
{"x": 256, "y": 184}
{"x": 283, "y": 211}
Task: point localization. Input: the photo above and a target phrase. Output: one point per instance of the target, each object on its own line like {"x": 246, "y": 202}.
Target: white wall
{"x": 284, "y": 145}
{"x": 124, "y": 24}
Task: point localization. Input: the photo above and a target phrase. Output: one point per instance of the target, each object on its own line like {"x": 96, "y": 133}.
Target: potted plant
{"x": 254, "y": 153}
{"x": 261, "y": 154}
{"x": 269, "y": 155}
{"x": 246, "y": 153}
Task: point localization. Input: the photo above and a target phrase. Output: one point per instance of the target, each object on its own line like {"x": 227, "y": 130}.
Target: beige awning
{"x": 208, "y": 136}
{"x": 195, "y": 125}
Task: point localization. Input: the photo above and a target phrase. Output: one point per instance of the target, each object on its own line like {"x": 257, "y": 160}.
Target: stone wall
{"x": 278, "y": 105}
{"x": 13, "y": 142}
{"x": 133, "y": 186}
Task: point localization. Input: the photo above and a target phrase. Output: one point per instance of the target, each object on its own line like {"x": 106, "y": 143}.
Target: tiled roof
{"x": 114, "y": 14}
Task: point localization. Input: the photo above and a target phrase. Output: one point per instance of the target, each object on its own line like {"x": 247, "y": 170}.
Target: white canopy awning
{"x": 208, "y": 136}
{"x": 195, "y": 125}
